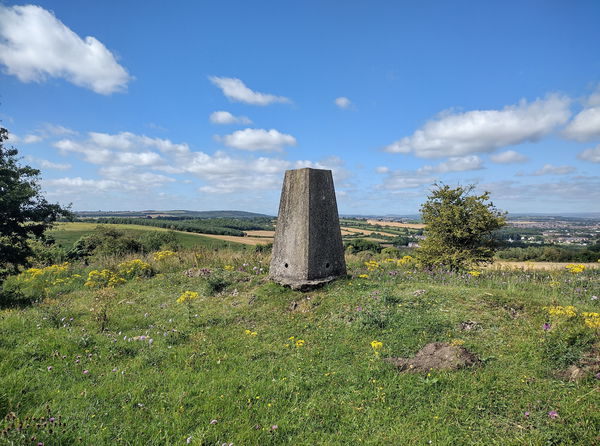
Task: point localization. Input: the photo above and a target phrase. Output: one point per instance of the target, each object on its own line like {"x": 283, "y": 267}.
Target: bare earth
{"x": 242, "y": 240}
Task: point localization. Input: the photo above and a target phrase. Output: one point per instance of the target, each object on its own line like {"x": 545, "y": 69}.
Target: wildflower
{"x": 250, "y": 333}
{"x": 376, "y": 345}
{"x": 575, "y": 268}
{"x": 187, "y": 296}
{"x": 162, "y": 255}
{"x": 50, "y": 368}
{"x": 595, "y": 297}
{"x": 213, "y": 421}
{"x": 86, "y": 372}
{"x": 553, "y": 414}
{"x": 188, "y": 440}
{"x": 299, "y": 343}
{"x": 457, "y": 342}
{"x": 597, "y": 375}
{"x": 228, "y": 268}
{"x": 274, "y": 427}
{"x": 526, "y": 414}
{"x": 554, "y": 284}
{"x": 475, "y": 273}
{"x": 557, "y": 310}
{"x": 114, "y": 370}
{"x": 547, "y": 326}
{"x": 363, "y": 276}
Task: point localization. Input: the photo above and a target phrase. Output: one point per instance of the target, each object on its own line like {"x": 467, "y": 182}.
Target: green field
{"x": 66, "y": 234}
{"x": 224, "y": 368}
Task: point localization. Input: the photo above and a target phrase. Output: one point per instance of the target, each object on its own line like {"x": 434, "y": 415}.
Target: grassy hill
{"x": 66, "y": 234}
{"x": 251, "y": 363}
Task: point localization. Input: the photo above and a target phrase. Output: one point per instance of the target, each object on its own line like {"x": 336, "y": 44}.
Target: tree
{"x": 24, "y": 212}
{"x": 459, "y": 228}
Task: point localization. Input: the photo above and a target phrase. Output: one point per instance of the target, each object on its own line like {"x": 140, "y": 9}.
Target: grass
{"x": 223, "y": 369}
{"x": 66, "y": 234}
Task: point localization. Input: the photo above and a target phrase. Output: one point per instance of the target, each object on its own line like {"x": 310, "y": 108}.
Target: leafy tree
{"x": 24, "y": 212}
{"x": 459, "y": 228}
{"x": 361, "y": 244}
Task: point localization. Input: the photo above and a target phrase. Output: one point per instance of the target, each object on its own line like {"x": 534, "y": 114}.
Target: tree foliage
{"x": 459, "y": 228}
{"x": 24, "y": 212}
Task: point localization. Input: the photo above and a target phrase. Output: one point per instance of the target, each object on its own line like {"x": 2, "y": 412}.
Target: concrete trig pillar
{"x": 308, "y": 249}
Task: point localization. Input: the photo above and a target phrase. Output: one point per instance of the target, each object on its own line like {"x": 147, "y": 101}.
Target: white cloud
{"x": 592, "y": 155}
{"x": 457, "y": 134}
{"x": 31, "y": 138}
{"x": 45, "y": 164}
{"x": 343, "y": 102}
{"x": 235, "y": 90}
{"x": 403, "y": 179}
{"x": 508, "y": 157}
{"x": 258, "y": 139}
{"x": 34, "y": 45}
{"x": 454, "y": 164}
{"x": 549, "y": 169}
{"x": 224, "y": 117}
{"x": 585, "y": 126}
{"x": 382, "y": 169}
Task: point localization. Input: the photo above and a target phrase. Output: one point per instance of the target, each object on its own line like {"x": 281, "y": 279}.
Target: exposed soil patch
{"x": 436, "y": 356}
{"x": 588, "y": 366}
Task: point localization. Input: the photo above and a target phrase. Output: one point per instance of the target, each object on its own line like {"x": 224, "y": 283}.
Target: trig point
{"x": 308, "y": 249}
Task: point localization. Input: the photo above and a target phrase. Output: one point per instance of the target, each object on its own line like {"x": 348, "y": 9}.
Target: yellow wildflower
{"x": 363, "y": 276}
{"x": 299, "y": 343}
{"x": 557, "y": 310}
{"x": 162, "y": 255}
{"x": 187, "y": 296}
{"x": 475, "y": 273}
{"x": 575, "y": 268}
{"x": 376, "y": 345}
{"x": 228, "y": 268}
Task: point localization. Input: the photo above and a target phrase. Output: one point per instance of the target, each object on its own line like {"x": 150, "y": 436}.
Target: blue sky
{"x": 204, "y": 105}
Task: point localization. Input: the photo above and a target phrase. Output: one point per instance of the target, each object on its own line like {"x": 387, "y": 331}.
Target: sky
{"x": 203, "y": 105}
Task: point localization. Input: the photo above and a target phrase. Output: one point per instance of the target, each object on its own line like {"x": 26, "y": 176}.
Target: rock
{"x": 470, "y": 325}
{"x": 436, "y": 356}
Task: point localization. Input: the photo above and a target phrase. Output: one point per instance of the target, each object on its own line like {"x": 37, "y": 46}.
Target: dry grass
{"x": 526, "y": 266}
{"x": 396, "y": 224}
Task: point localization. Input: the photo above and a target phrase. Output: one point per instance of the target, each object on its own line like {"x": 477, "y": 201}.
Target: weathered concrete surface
{"x": 308, "y": 249}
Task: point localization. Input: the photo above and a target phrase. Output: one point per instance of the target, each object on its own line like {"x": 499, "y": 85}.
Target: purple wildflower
{"x": 50, "y": 367}
{"x": 526, "y": 414}
{"x": 547, "y": 326}
{"x": 597, "y": 375}
{"x": 85, "y": 372}
{"x": 553, "y": 414}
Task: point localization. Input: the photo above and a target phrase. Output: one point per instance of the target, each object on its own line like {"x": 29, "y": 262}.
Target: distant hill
{"x": 173, "y": 213}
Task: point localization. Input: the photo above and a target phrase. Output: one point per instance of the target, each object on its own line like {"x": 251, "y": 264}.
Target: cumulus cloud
{"x": 480, "y": 131}
{"x": 224, "y": 117}
{"x": 508, "y": 157}
{"x": 31, "y": 138}
{"x": 35, "y": 45}
{"x": 402, "y": 179}
{"x": 235, "y": 90}
{"x": 585, "y": 126}
{"x": 45, "y": 164}
{"x": 258, "y": 139}
{"x": 343, "y": 102}
{"x": 592, "y": 155}
{"x": 549, "y": 169}
{"x": 454, "y": 164}
{"x": 382, "y": 169}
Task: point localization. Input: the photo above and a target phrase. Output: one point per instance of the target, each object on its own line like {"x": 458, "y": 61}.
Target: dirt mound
{"x": 589, "y": 365}
{"x": 436, "y": 356}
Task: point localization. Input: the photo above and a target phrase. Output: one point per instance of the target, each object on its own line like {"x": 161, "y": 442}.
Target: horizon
{"x": 210, "y": 112}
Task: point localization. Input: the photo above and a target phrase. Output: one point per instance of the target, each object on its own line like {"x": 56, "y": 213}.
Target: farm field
{"x": 246, "y": 361}
{"x": 396, "y": 224}
{"x": 537, "y": 266}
